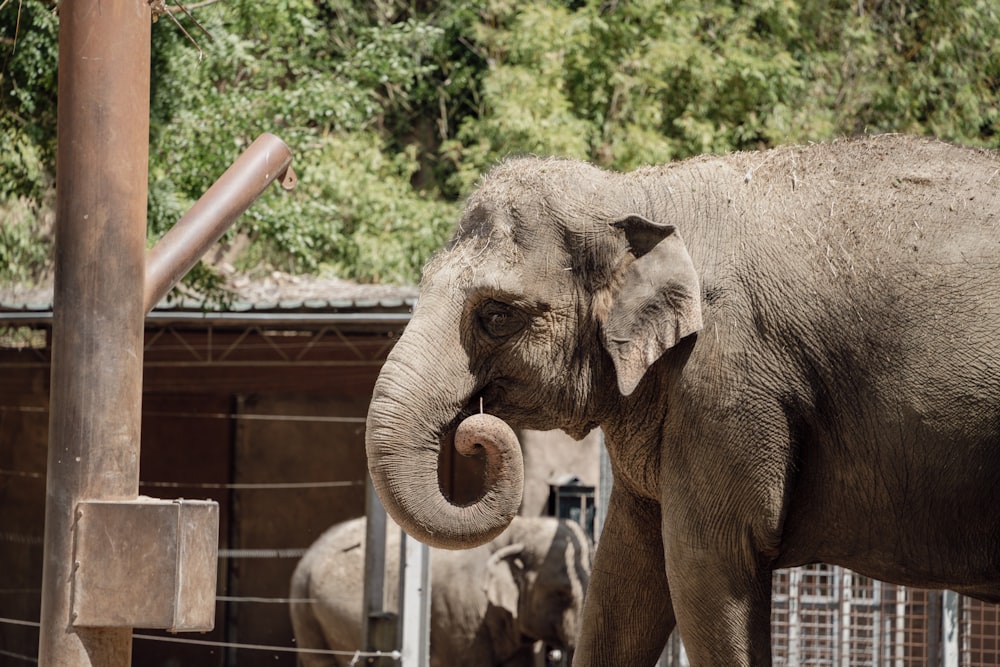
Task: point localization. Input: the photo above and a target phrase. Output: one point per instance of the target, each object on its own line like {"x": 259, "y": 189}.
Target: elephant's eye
{"x": 501, "y": 320}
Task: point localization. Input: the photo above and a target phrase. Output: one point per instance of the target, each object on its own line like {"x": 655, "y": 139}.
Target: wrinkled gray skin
{"x": 488, "y": 604}
{"x": 794, "y": 356}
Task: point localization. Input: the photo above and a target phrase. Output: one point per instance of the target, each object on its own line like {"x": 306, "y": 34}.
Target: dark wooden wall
{"x": 269, "y": 423}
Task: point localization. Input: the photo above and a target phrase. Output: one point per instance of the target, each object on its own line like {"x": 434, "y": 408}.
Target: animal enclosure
{"x": 244, "y": 404}
{"x": 827, "y": 616}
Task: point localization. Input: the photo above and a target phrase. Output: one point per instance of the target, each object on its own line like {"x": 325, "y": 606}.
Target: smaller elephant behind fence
{"x": 489, "y": 605}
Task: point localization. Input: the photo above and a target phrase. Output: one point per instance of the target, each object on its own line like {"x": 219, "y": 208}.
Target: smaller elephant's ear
{"x": 504, "y": 571}
{"x": 657, "y": 301}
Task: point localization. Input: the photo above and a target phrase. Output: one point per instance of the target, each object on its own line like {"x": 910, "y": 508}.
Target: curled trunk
{"x": 421, "y": 392}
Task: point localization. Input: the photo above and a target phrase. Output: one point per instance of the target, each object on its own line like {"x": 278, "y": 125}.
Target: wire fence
{"x": 28, "y": 598}
{"x": 821, "y": 615}
{"x": 828, "y": 615}
{"x": 355, "y": 656}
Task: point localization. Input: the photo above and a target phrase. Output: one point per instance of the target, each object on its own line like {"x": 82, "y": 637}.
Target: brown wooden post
{"x": 96, "y": 390}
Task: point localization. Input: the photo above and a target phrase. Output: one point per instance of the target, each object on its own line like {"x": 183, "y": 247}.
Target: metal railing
{"x": 828, "y": 616}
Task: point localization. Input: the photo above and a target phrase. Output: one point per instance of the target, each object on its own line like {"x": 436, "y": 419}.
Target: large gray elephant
{"x": 489, "y": 605}
{"x": 794, "y": 356}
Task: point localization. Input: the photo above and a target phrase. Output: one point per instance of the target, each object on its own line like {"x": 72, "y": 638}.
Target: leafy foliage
{"x": 28, "y": 38}
{"x": 393, "y": 108}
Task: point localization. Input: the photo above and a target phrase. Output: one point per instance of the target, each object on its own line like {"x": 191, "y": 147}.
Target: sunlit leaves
{"x": 392, "y": 110}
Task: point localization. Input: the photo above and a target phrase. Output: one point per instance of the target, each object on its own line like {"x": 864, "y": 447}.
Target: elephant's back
{"x": 851, "y": 209}
{"x": 893, "y": 242}
{"x": 331, "y": 577}
{"x": 867, "y": 212}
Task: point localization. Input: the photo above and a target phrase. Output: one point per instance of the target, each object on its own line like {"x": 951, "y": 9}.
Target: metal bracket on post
{"x": 265, "y": 161}
{"x": 146, "y": 563}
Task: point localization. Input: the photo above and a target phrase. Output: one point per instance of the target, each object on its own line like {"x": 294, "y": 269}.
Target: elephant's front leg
{"x": 721, "y": 595}
{"x": 627, "y": 616}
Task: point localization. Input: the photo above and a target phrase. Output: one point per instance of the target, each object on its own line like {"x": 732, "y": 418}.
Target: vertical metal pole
{"x": 415, "y": 602}
{"x": 879, "y": 649}
{"x": 845, "y": 581}
{"x": 899, "y": 638}
{"x": 374, "y": 553}
{"x": 379, "y": 627}
{"x": 794, "y": 600}
{"x": 96, "y": 389}
{"x": 934, "y": 626}
{"x": 951, "y": 629}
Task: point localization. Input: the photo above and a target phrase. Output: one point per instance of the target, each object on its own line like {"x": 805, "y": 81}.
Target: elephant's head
{"x": 556, "y": 293}
{"x": 536, "y": 581}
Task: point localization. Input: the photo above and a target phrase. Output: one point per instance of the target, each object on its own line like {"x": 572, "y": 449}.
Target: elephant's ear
{"x": 657, "y": 301}
{"x": 504, "y": 572}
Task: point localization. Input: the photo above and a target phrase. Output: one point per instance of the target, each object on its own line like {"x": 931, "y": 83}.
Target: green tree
{"x": 327, "y": 86}
{"x": 393, "y": 108}
{"x": 28, "y": 37}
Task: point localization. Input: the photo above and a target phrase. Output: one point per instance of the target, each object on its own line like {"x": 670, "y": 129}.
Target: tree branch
{"x": 173, "y": 9}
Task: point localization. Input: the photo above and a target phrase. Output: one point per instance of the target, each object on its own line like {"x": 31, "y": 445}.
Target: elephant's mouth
{"x": 507, "y": 399}
{"x": 499, "y": 397}
{"x": 491, "y": 397}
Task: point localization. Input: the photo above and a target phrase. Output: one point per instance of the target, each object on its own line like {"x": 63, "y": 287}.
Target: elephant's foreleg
{"x": 721, "y": 601}
{"x": 627, "y": 616}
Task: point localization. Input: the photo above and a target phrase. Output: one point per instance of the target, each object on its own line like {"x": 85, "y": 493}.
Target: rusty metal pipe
{"x": 266, "y": 160}
{"x": 97, "y": 329}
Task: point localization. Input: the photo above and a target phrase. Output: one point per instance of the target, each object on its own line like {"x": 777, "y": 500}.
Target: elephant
{"x": 792, "y": 354}
{"x": 489, "y": 604}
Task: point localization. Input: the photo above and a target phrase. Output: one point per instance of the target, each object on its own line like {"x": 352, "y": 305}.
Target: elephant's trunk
{"x": 423, "y": 387}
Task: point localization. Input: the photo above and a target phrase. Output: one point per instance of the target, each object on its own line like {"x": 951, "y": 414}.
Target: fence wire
{"x": 823, "y": 616}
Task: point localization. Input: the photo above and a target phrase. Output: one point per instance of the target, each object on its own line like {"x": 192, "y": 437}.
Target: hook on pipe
{"x": 266, "y": 160}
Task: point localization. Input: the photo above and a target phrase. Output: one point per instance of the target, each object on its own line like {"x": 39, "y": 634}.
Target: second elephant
{"x": 488, "y": 605}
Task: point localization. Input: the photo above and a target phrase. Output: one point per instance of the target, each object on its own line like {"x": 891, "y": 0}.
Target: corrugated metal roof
{"x": 276, "y": 297}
